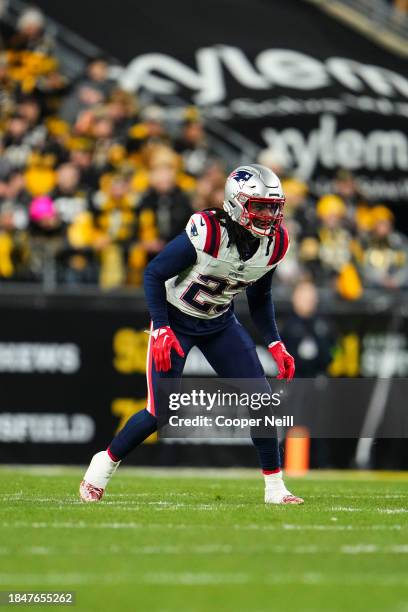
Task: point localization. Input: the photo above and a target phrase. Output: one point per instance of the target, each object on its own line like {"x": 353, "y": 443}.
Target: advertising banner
{"x": 72, "y": 374}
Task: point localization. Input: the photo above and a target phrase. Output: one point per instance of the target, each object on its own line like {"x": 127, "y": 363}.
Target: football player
{"x": 189, "y": 289}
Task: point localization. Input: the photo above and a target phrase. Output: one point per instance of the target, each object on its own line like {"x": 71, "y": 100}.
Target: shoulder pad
{"x": 204, "y": 231}
{"x": 280, "y": 247}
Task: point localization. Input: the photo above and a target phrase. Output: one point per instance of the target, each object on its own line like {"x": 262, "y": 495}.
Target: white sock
{"x": 274, "y": 482}
{"x": 100, "y": 470}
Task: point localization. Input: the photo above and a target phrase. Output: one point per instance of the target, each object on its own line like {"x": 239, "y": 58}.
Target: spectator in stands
{"x": 103, "y": 134}
{"x": 14, "y": 252}
{"x": 275, "y": 159}
{"x": 30, "y": 61}
{"x": 385, "y": 253}
{"x": 45, "y": 238}
{"x": 31, "y": 34}
{"x": 44, "y": 218}
{"x": 68, "y": 197}
{"x": 97, "y": 74}
{"x": 299, "y": 207}
{"x": 332, "y": 253}
{"x": 152, "y": 156}
{"x": 77, "y": 259}
{"x": 209, "y": 189}
{"x": 165, "y": 205}
{"x": 114, "y": 206}
{"x": 7, "y": 87}
{"x": 193, "y": 145}
{"x": 29, "y": 109}
{"x": 16, "y": 147}
{"x": 300, "y": 220}
{"x": 15, "y": 199}
{"x": 84, "y": 97}
{"x": 308, "y": 336}
{"x": 39, "y": 176}
{"x": 115, "y": 209}
{"x": 345, "y": 186}
{"x": 122, "y": 108}
{"x": 81, "y": 155}
{"x": 163, "y": 212}
{"x": 151, "y": 129}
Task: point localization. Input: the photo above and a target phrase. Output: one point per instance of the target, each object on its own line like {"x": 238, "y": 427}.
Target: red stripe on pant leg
{"x": 149, "y": 361}
{"x": 269, "y": 472}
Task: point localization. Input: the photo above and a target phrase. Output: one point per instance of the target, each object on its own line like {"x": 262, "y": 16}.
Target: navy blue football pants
{"x": 232, "y": 354}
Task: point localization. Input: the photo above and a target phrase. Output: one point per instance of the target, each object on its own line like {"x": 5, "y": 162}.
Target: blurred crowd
{"x": 399, "y": 9}
{"x": 93, "y": 184}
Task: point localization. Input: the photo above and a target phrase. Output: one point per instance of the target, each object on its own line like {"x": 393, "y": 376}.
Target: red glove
{"x": 163, "y": 341}
{"x": 284, "y": 361}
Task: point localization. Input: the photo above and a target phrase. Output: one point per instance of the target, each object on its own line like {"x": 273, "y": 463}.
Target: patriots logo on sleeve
{"x": 193, "y": 229}
{"x": 241, "y": 176}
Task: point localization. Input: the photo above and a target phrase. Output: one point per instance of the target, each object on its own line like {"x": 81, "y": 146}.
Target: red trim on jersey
{"x": 275, "y": 247}
{"x": 208, "y": 233}
{"x": 280, "y": 247}
{"x": 213, "y": 234}
{"x": 217, "y": 237}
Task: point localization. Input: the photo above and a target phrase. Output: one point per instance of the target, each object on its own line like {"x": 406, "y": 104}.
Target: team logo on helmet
{"x": 241, "y": 176}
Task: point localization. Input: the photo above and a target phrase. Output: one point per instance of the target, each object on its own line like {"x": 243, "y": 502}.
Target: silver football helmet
{"x": 254, "y": 199}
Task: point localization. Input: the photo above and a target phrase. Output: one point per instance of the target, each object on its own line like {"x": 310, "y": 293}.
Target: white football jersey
{"x": 206, "y": 289}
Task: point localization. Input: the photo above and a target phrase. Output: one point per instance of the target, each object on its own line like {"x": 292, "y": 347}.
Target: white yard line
{"x": 130, "y": 505}
{"x": 213, "y": 549}
{"x": 135, "y": 504}
{"x": 357, "y": 496}
{"x": 37, "y": 550}
{"x": 346, "y": 509}
{"x": 224, "y": 473}
{"x": 380, "y": 527}
{"x": 358, "y": 549}
{"x": 195, "y": 527}
{"x": 23, "y": 580}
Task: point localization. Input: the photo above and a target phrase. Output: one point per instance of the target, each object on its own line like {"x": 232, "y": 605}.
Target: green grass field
{"x": 194, "y": 541}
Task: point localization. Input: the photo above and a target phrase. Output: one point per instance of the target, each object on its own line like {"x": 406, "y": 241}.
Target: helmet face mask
{"x": 265, "y": 215}
{"x": 254, "y": 199}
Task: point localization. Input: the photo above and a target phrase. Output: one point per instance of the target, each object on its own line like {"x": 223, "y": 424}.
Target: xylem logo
{"x": 329, "y": 147}
{"x": 163, "y": 74}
